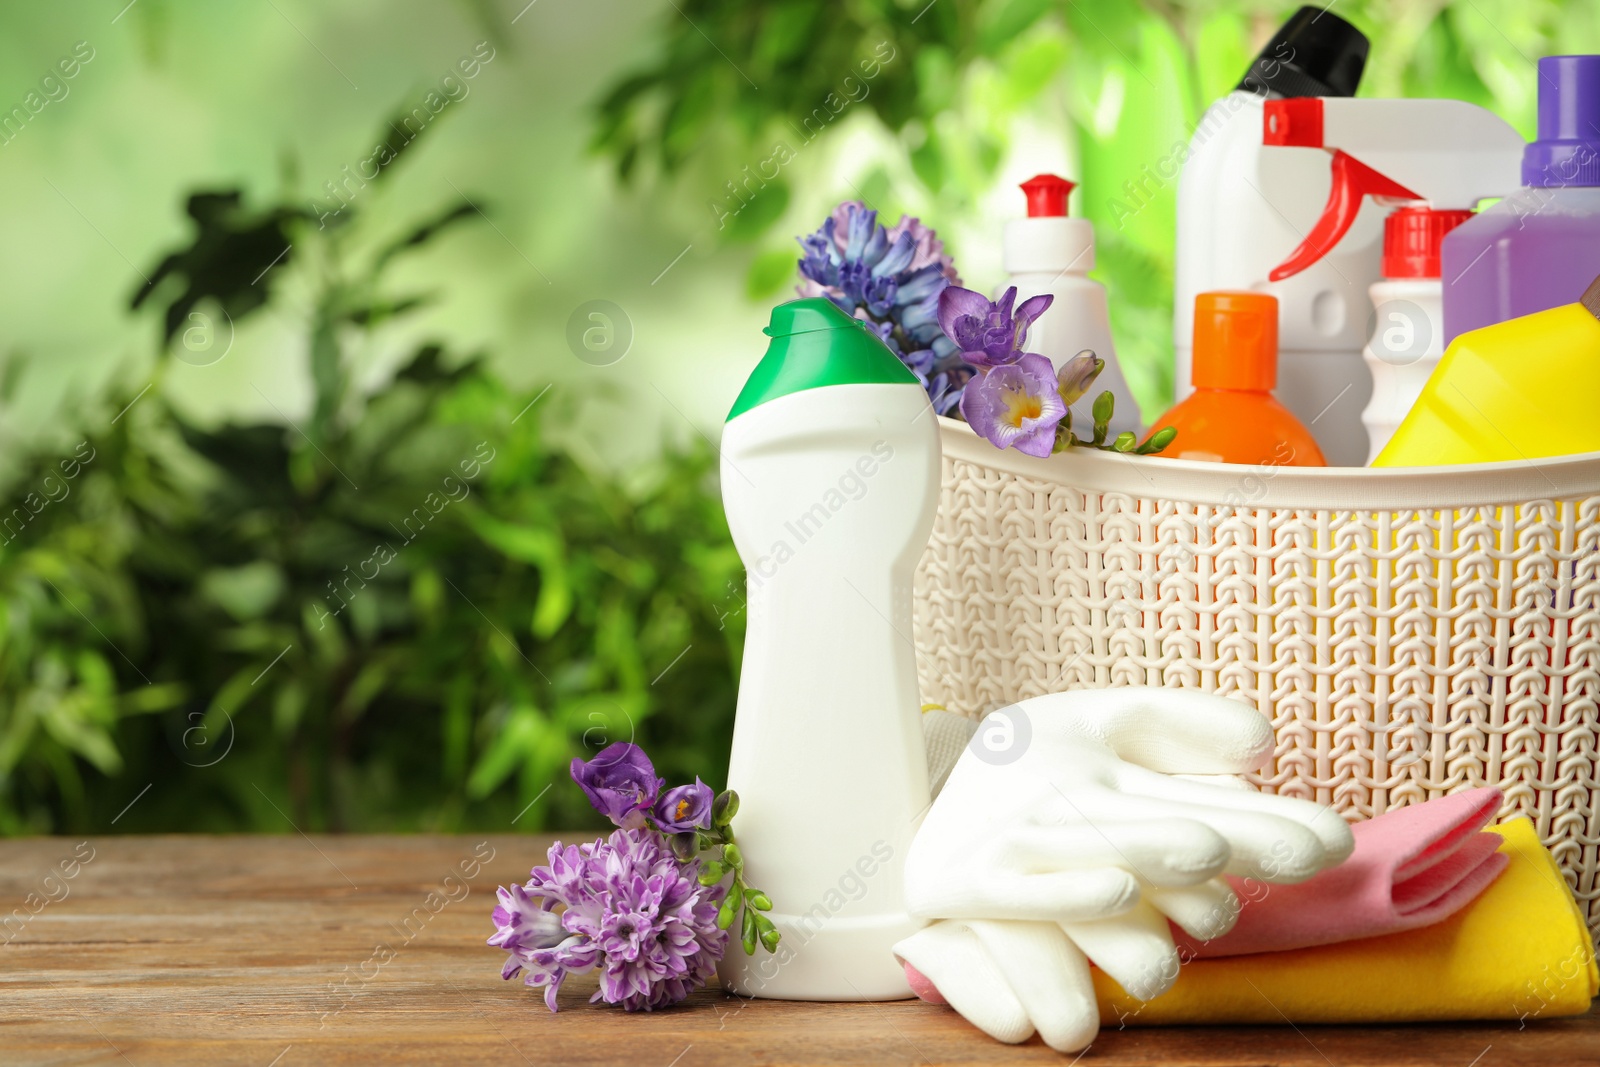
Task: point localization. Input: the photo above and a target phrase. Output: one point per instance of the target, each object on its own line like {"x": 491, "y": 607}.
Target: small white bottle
{"x": 1408, "y": 325}
{"x": 830, "y": 481}
{"x": 1047, "y": 252}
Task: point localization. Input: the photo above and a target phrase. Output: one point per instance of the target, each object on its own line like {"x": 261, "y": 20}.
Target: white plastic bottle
{"x": 1408, "y": 331}
{"x": 1240, "y": 208}
{"x": 830, "y": 481}
{"x": 1047, "y": 252}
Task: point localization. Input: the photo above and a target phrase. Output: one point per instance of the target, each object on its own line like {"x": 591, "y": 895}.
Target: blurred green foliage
{"x": 1122, "y": 83}
{"x": 406, "y": 611}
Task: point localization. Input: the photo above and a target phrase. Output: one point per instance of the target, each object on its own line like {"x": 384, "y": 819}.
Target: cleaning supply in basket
{"x": 1412, "y": 867}
{"x": 830, "y": 481}
{"x": 1519, "y": 390}
{"x": 1443, "y": 154}
{"x": 1232, "y": 416}
{"x": 1519, "y": 951}
{"x": 1533, "y": 250}
{"x": 1048, "y": 253}
{"x": 1408, "y": 331}
{"x": 1240, "y": 205}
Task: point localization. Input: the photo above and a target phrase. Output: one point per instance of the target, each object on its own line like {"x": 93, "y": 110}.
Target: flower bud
{"x": 711, "y": 872}
{"x": 758, "y": 900}
{"x": 724, "y": 808}
{"x": 732, "y": 856}
{"x": 725, "y": 915}
{"x": 1158, "y": 440}
{"x": 1104, "y": 405}
{"x": 685, "y": 846}
{"x": 749, "y": 933}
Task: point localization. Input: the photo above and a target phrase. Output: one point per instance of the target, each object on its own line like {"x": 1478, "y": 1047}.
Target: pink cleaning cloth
{"x": 1411, "y": 867}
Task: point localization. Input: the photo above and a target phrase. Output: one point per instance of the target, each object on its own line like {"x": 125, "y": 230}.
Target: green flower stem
{"x": 742, "y": 902}
{"x": 1125, "y": 442}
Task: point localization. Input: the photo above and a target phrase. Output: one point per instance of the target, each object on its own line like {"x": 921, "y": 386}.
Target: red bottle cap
{"x": 1412, "y": 237}
{"x": 1047, "y": 196}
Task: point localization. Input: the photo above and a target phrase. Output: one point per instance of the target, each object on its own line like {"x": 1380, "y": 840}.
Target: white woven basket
{"x": 1409, "y": 632}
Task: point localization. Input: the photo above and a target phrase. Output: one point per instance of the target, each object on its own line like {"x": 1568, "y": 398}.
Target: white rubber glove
{"x": 1057, "y": 836}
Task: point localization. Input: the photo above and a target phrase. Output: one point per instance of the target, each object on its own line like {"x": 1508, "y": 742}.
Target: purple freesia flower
{"x": 620, "y": 782}
{"x": 1016, "y": 405}
{"x": 988, "y": 334}
{"x": 686, "y": 807}
{"x": 628, "y": 909}
{"x": 1079, "y": 373}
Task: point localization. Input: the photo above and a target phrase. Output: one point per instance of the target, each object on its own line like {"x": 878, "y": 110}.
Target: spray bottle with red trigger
{"x": 1443, "y": 155}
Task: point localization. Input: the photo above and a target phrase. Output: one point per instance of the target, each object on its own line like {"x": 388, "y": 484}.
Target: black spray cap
{"x": 1315, "y": 53}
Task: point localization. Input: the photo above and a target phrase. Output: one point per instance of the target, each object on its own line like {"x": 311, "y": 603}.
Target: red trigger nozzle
{"x": 1352, "y": 180}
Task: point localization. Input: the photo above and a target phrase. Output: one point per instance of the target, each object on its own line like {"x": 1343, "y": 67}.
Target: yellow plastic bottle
{"x": 1522, "y": 389}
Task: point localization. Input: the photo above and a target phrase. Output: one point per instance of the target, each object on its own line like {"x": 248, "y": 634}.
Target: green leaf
{"x": 786, "y": 30}
{"x": 928, "y": 163}
{"x": 518, "y": 739}
{"x": 758, "y": 206}
{"x": 544, "y": 549}
{"x": 245, "y": 592}
{"x": 1001, "y": 23}
{"x": 427, "y": 231}
{"x": 70, "y": 721}
{"x": 769, "y": 273}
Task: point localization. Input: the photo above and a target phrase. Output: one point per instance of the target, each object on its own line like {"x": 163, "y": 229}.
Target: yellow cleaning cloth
{"x": 1519, "y": 951}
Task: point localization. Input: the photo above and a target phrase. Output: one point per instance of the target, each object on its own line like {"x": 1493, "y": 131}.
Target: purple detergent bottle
{"x": 1539, "y": 247}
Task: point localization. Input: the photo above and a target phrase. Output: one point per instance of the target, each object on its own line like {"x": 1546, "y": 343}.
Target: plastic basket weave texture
{"x": 1410, "y": 633}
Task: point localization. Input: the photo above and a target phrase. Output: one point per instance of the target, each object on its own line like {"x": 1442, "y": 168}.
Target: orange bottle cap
{"x": 1235, "y": 341}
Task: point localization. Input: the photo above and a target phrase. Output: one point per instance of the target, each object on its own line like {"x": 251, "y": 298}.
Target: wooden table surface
{"x": 295, "y": 950}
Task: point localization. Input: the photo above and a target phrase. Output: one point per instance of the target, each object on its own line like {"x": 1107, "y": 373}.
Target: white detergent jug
{"x": 830, "y": 480}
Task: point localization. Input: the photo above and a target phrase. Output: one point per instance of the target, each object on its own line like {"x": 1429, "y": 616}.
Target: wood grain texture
{"x": 275, "y": 952}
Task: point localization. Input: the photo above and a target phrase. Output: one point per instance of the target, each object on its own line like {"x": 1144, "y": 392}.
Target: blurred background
{"x": 363, "y": 363}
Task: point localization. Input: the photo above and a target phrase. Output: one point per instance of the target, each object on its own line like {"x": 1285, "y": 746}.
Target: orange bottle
{"x": 1232, "y": 416}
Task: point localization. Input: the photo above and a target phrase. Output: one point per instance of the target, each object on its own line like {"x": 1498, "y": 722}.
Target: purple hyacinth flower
{"x": 892, "y": 278}
{"x": 1016, "y": 405}
{"x": 620, "y": 782}
{"x": 686, "y": 807}
{"x": 927, "y": 249}
{"x": 988, "y": 334}
{"x": 628, "y": 909}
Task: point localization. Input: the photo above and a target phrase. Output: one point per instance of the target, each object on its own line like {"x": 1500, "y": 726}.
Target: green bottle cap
{"x": 815, "y": 344}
